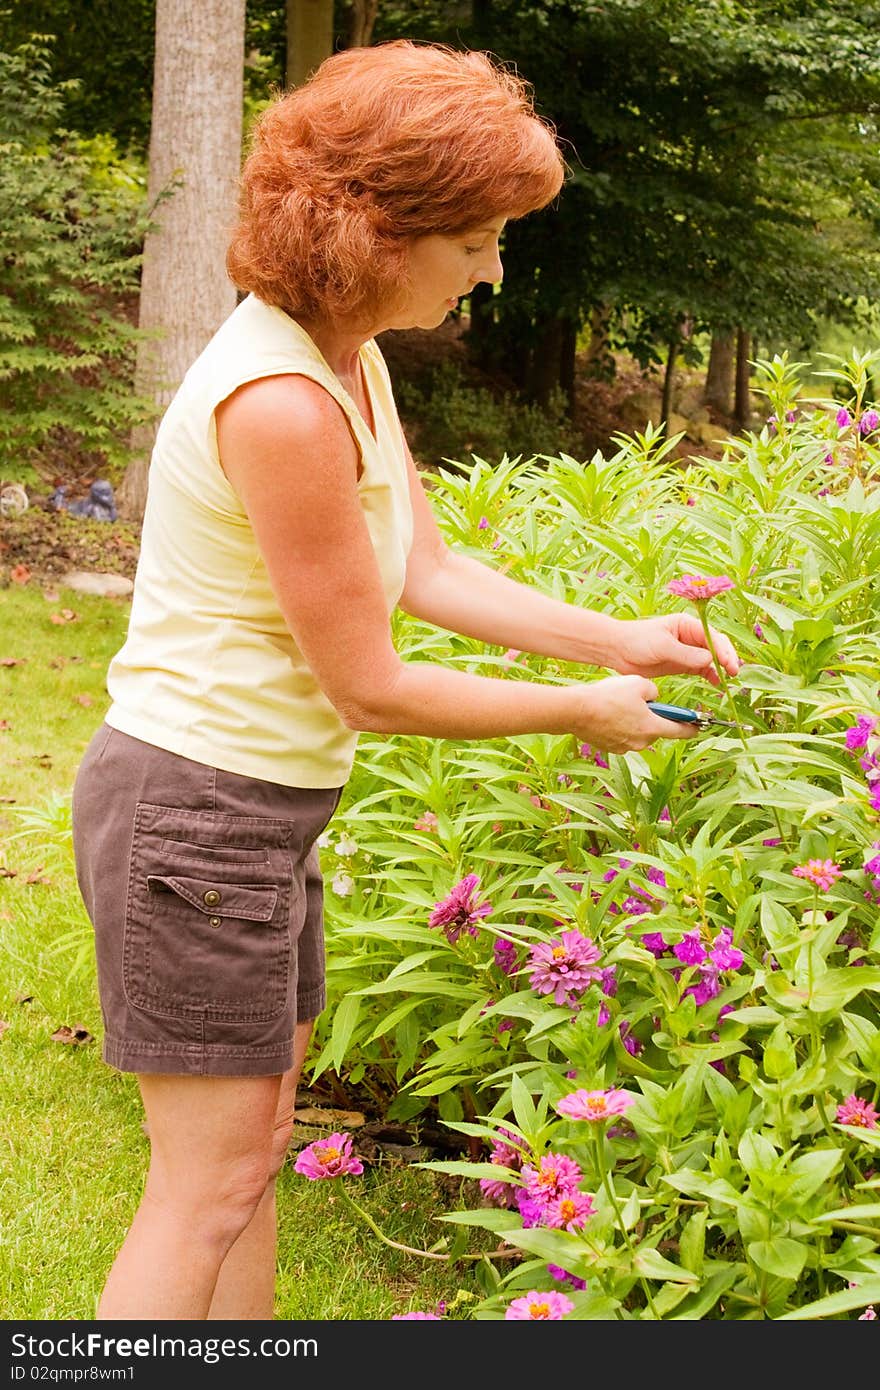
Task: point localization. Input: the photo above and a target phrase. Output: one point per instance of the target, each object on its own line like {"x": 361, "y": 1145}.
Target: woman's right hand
{"x": 615, "y": 718}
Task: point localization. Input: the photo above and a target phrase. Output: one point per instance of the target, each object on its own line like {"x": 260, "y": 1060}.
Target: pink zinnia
{"x": 698, "y": 588}
{"x": 563, "y": 967}
{"x": 496, "y": 1190}
{"x": 854, "y": 1111}
{"x": 328, "y": 1158}
{"x": 458, "y": 912}
{"x": 822, "y": 873}
{"x": 547, "y": 1305}
{"x": 555, "y": 1175}
{"x": 569, "y": 1211}
{"x": 595, "y": 1105}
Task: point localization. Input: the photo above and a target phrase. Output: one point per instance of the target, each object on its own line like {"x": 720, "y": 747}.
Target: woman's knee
{"x": 216, "y": 1202}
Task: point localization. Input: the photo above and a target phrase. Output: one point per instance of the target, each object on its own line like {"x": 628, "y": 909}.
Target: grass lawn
{"x": 74, "y": 1150}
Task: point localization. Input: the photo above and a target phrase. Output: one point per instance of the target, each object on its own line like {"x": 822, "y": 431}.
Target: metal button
{"x": 211, "y": 898}
{"x": 215, "y": 921}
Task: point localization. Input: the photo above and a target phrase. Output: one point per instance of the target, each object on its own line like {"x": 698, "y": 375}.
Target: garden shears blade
{"x": 703, "y": 719}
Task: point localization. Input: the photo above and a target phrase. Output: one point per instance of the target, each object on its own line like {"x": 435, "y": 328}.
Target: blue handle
{"x": 679, "y": 713}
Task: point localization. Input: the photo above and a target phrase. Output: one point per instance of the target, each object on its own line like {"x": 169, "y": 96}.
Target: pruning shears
{"x": 703, "y": 719}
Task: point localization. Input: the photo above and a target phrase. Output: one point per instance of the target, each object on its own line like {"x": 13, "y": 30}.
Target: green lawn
{"x": 74, "y": 1151}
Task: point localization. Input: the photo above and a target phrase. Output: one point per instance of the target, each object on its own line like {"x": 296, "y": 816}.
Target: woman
{"x": 285, "y": 520}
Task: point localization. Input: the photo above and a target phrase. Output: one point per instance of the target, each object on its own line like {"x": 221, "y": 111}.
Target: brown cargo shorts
{"x": 206, "y": 896}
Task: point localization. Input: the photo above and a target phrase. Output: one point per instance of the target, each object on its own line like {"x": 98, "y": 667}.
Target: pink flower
{"x": 724, "y": 955}
{"x": 328, "y": 1158}
{"x": 822, "y": 873}
{"x": 427, "y": 821}
{"x": 858, "y": 734}
{"x": 499, "y": 1192}
{"x": 698, "y": 588}
{"x": 854, "y": 1111}
{"x": 869, "y": 1315}
{"x": 569, "y": 1211}
{"x": 843, "y": 417}
{"x": 504, "y": 953}
{"x": 554, "y": 1176}
{"x": 595, "y": 1105}
{"x": 458, "y": 912}
{"x": 539, "y": 1305}
{"x": 557, "y": 1272}
{"x": 563, "y": 967}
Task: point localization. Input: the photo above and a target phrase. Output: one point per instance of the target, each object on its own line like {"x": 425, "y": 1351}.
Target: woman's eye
{"x": 473, "y": 250}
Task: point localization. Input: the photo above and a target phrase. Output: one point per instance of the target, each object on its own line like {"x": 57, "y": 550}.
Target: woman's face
{"x": 444, "y": 268}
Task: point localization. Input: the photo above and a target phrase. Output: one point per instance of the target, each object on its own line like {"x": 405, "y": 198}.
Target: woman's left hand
{"x": 674, "y": 644}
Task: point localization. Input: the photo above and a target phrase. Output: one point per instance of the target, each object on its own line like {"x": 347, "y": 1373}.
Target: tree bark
{"x": 567, "y": 361}
{"x": 718, "y": 391}
{"x": 742, "y": 404}
{"x": 599, "y": 361}
{"x": 545, "y": 360}
{"x": 309, "y": 38}
{"x": 195, "y": 148}
{"x": 669, "y": 381}
{"x": 361, "y": 21}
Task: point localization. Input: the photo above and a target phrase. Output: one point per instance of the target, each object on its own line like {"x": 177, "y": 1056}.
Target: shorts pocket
{"x": 207, "y": 927}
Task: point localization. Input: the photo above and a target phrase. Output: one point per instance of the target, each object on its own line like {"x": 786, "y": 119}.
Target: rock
{"x": 105, "y": 585}
{"x": 640, "y": 407}
{"x": 676, "y": 424}
{"x": 709, "y": 434}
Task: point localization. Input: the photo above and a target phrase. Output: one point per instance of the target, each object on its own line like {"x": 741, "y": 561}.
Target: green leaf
{"x": 843, "y": 1302}
{"x": 782, "y": 1257}
{"x": 344, "y": 1023}
{"x": 653, "y": 1265}
{"x": 837, "y": 987}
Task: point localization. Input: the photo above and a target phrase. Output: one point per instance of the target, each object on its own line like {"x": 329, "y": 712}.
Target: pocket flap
{"x": 255, "y": 902}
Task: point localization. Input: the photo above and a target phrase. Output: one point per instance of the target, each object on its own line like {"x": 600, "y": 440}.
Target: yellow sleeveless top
{"x": 208, "y": 669}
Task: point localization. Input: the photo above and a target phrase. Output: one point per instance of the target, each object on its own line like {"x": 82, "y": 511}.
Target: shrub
{"x": 447, "y": 417}
{"x": 71, "y": 225}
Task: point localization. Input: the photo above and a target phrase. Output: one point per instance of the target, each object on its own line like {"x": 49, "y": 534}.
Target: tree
{"x": 309, "y": 37}
{"x": 195, "y": 154}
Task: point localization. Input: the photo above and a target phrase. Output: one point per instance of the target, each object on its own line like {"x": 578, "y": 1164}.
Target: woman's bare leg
{"x": 210, "y": 1160}
{"x": 245, "y": 1287}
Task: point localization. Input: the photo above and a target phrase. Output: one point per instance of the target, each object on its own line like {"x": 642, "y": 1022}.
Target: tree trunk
{"x": 361, "y": 21}
{"x": 545, "y": 360}
{"x": 718, "y": 391}
{"x": 195, "y": 148}
{"x": 309, "y": 38}
{"x": 599, "y": 361}
{"x": 742, "y": 405}
{"x": 667, "y": 402}
{"x": 482, "y": 316}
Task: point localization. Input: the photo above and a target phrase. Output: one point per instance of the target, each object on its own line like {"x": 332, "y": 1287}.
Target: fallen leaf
{"x": 37, "y": 876}
{"x": 24, "y": 999}
{"x": 5, "y": 726}
{"x": 84, "y": 699}
{"x": 66, "y": 615}
{"x": 19, "y": 574}
{"x": 78, "y": 1036}
{"x": 311, "y": 1115}
{"x": 7, "y": 873}
{"x": 12, "y": 660}
{"x": 50, "y": 595}
{"x": 3, "y": 1026}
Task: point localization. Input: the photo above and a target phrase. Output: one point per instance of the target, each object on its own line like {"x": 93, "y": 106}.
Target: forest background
{"x": 721, "y": 203}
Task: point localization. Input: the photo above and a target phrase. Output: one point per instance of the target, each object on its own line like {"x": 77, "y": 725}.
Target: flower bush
{"x": 643, "y": 988}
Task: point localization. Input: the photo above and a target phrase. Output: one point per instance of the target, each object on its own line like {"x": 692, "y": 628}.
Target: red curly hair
{"x": 383, "y": 144}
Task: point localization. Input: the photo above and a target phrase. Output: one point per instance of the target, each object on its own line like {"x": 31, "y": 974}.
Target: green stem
{"x": 386, "y": 1240}
{"x": 722, "y": 680}
{"x": 609, "y": 1188}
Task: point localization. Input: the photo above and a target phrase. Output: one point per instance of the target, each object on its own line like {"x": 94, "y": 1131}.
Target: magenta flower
{"x": 869, "y": 1315}
{"x": 458, "y": 912}
{"x": 698, "y": 588}
{"x": 595, "y": 1105}
{"x": 569, "y": 1211}
{"x": 858, "y": 734}
{"x": 653, "y": 941}
{"x": 707, "y": 987}
{"x": 530, "y": 1209}
{"x": 554, "y": 1176}
{"x": 690, "y": 950}
{"x": 869, "y": 422}
{"x": 843, "y": 417}
{"x": 564, "y": 967}
{"x": 411, "y": 1317}
{"x": 854, "y": 1111}
{"x": 822, "y": 873}
{"x": 328, "y": 1158}
{"x": 629, "y": 1039}
{"x": 564, "y": 1277}
{"x": 504, "y": 952}
{"x": 723, "y": 954}
{"x": 548, "y": 1305}
{"x": 603, "y": 1016}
